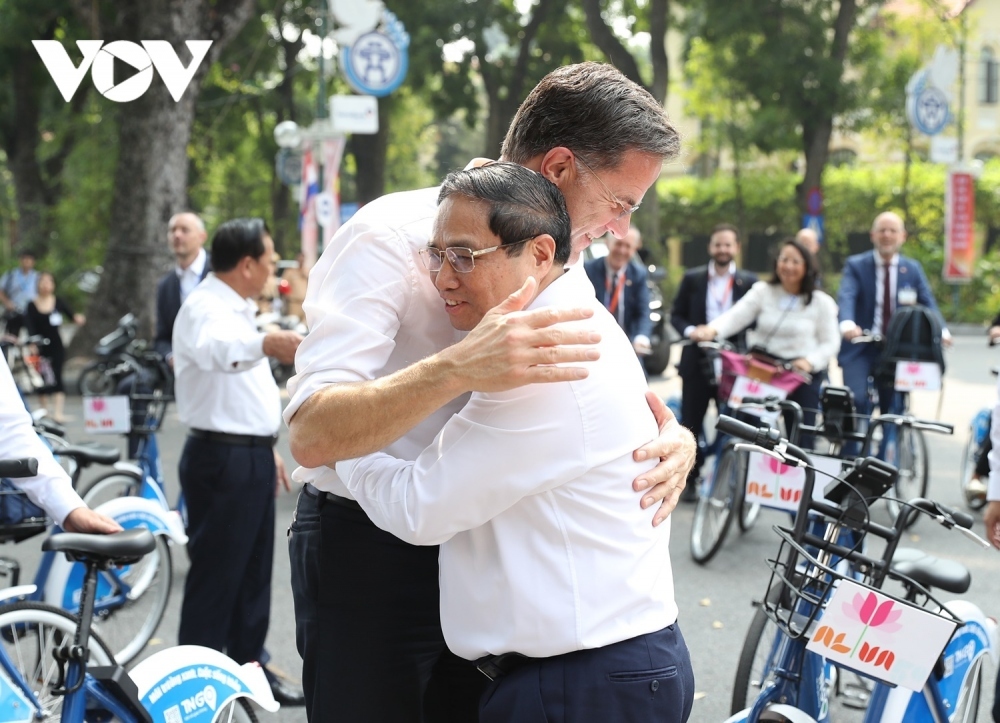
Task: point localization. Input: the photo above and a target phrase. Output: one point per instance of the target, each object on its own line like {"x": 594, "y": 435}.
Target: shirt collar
{"x": 712, "y": 273}
{"x": 219, "y": 288}
{"x": 894, "y": 261}
{"x": 609, "y": 272}
{"x": 197, "y": 266}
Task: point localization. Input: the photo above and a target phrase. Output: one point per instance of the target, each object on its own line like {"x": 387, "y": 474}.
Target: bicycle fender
{"x": 65, "y": 578}
{"x": 781, "y": 713}
{"x": 13, "y": 594}
{"x": 180, "y": 683}
{"x": 128, "y": 468}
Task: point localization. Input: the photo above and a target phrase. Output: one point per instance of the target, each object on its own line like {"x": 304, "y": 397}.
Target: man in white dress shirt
{"x": 382, "y": 369}
{"x": 51, "y": 489}
{"x": 229, "y": 469}
{"x": 551, "y": 576}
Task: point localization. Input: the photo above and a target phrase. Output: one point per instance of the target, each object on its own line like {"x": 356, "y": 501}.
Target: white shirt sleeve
{"x": 993, "y": 486}
{"x": 827, "y": 332}
{"x": 499, "y": 449}
{"x": 51, "y": 489}
{"x": 205, "y": 334}
{"x": 742, "y": 314}
{"x": 356, "y": 299}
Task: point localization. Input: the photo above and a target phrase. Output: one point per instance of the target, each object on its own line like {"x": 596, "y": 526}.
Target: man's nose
{"x": 619, "y": 227}
{"x": 445, "y": 277}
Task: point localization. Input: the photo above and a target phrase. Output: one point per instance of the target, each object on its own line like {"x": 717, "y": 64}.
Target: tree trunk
{"x": 369, "y": 156}
{"x": 150, "y": 182}
{"x": 816, "y": 145}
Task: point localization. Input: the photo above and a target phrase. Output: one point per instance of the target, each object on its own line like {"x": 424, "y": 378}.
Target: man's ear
{"x": 558, "y": 166}
{"x": 543, "y": 249}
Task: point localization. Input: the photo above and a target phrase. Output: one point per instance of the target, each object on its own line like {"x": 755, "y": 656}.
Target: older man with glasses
{"x": 383, "y": 369}
{"x": 552, "y": 579}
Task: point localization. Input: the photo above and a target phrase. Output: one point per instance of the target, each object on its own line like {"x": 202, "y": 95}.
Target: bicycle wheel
{"x": 754, "y": 667}
{"x": 29, "y": 632}
{"x": 910, "y": 450}
{"x": 716, "y": 502}
{"x": 239, "y": 711}
{"x": 127, "y": 623}
{"x": 95, "y": 381}
{"x": 109, "y": 486}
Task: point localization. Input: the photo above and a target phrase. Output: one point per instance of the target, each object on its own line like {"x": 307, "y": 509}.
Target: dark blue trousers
{"x": 640, "y": 680}
{"x": 368, "y": 623}
{"x": 229, "y": 492}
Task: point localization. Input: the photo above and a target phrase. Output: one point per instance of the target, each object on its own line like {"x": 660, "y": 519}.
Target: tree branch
{"x": 659, "y": 13}
{"x": 608, "y": 42}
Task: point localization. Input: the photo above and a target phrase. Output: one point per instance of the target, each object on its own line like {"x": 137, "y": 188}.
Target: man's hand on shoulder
{"x": 510, "y": 348}
{"x": 676, "y": 448}
{"x": 85, "y": 520}
{"x": 282, "y": 345}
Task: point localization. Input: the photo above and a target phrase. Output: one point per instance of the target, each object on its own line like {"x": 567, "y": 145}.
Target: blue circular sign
{"x": 927, "y": 106}
{"x": 374, "y": 64}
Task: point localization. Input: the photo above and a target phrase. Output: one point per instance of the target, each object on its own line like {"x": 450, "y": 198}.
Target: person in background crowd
{"x": 620, "y": 284}
{"x": 186, "y": 236}
{"x": 705, "y": 293}
{"x": 298, "y": 279}
{"x": 991, "y": 515}
{"x": 17, "y": 287}
{"x": 229, "y": 471}
{"x": 266, "y": 299}
{"x": 794, "y": 321}
{"x": 383, "y": 369}
{"x": 44, "y": 317}
{"x": 867, "y": 298}
{"x": 975, "y": 490}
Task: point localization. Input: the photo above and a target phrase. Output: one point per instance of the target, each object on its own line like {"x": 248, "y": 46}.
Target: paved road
{"x": 714, "y": 600}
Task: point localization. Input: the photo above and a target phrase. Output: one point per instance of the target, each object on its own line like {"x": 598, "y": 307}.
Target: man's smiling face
{"x": 462, "y": 223}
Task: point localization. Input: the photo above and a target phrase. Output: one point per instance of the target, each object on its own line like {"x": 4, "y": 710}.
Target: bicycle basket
{"x": 20, "y": 518}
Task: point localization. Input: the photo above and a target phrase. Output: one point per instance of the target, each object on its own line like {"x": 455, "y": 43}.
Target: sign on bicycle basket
{"x": 771, "y": 483}
{"x": 915, "y": 376}
{"x": 879, "y": 636}
{"x": 107, "y": 415}
{"x": 747, "y": 387}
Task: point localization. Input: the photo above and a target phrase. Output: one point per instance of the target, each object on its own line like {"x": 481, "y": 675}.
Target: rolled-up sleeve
{"x": 355, "y": 301}
{"x": 51, "y": 489}
{"x": 212, "y": 342}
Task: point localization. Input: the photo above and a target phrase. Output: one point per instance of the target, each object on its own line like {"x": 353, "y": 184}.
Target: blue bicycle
{"x": 825, "y": 548}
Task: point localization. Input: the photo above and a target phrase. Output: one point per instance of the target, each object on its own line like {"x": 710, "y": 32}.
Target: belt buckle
{"x": 490, "y": 669}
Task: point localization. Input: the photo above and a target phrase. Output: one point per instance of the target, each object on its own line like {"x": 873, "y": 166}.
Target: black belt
{"x": 330, "y": 497}
{"x": 497, "y": 666}
{"x": 240, "y": 440}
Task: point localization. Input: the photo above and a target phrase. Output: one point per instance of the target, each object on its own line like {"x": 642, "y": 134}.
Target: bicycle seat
{"x": 118, "y": 548}
{"x": 930, "y": 571}
{"x": 87, "y": 454}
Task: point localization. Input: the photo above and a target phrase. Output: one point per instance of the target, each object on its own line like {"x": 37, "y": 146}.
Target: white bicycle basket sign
{"x": 107, "y": 415}
{"x": 914, "y": 376}
{"x": 879, "y": 636}
{"x": 746, "y": 387}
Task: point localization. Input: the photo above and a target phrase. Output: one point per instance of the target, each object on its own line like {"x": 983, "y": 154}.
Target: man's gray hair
{"x": 595, "y": 111}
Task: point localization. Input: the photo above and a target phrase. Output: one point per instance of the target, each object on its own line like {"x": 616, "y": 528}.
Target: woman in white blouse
{"x": 795, "y": 321}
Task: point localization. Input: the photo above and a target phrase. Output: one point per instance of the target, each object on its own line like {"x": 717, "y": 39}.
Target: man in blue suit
{"x": 186, "y": 236}
{"x": 620, "y": 282}
{"x": 867, "y": 300}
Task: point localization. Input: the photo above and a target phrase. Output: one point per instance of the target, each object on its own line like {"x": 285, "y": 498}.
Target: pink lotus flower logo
{"x": 777, "y": 467}
{"x": 97, "y": 405}
{"x": 869, "y": 611}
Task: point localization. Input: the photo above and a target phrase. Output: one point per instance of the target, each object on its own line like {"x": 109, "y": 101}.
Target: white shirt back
{"x": 544, "y": 548}
{"x": 223, "y": 382}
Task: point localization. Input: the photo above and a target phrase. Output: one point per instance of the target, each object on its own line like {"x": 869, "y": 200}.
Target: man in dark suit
{"x": 620, "y": 282}
{"x": 704, "y": 294}
{"x": 867, "y": 298}
{"x": 186, "y": 236}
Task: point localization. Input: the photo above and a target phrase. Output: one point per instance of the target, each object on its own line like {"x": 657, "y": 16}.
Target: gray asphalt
{"x": 715, "y": 600}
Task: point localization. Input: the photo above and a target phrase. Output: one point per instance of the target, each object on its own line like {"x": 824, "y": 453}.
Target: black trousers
{"x": 368, "y": 624}
{"x": 229, "y": 491}
{"x": 695, "y": 396}
{"x": 643, "y": 679}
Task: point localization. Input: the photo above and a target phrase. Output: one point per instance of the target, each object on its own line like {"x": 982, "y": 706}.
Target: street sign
{"x": 959, "y": 227}
{"x": 377, "y": 61}
{"x": 354, "y": 113}
{"x": 814, "y": 222}
{"x": 926, "y": 105}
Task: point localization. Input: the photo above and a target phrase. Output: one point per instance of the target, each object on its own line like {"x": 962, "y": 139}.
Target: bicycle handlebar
{"x": 908, "y": 420}
{"x": 763, "y": 436}
{"x": 26, "y": 467}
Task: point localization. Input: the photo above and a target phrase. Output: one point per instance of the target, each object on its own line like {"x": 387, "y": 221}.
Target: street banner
{"x": 333, "y": 153}
{"x": 959, "y": 227}
{"x": 308, "y": 190}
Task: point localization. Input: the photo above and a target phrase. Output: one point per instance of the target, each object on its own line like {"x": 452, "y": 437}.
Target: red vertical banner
{"x": 308, "y": 191}
{"x": 959, "y": 227}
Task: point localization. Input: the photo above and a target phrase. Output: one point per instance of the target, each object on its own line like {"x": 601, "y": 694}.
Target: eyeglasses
{"x": 626, "y": 210}
{"x": 463, "y": 260}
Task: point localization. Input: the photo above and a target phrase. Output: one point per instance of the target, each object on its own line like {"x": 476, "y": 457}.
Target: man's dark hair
{"x": 809, "y": 280}
{"x": 235, "y": 239}
{"x": 522, "y": 204}
{"x": 724, "y": 227}
{"x": 595, "y": 111}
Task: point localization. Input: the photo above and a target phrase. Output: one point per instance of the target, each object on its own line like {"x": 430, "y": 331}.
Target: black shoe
{"x": 284, "y": 693}
{"x": 690, "y": 492}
